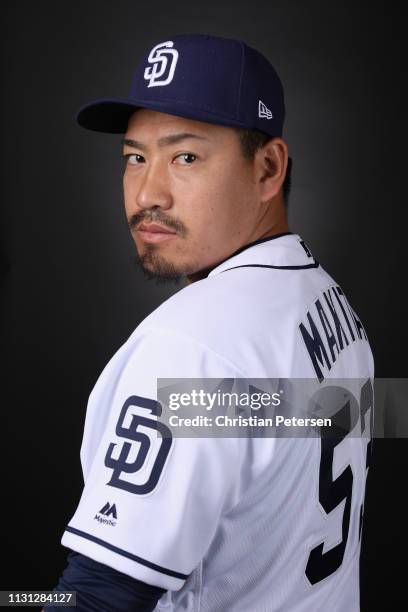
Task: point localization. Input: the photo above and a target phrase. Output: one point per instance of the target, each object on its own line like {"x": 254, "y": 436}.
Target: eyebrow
{"x": 163, "y": 141}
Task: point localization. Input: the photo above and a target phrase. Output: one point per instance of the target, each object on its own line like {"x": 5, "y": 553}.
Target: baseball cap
{"x": 197, "y": 76}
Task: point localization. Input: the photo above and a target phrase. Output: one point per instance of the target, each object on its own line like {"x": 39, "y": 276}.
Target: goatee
{"x": 157, "y": 268}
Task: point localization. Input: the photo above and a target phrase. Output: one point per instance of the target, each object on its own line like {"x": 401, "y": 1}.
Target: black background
{"x": 71, "y": 291}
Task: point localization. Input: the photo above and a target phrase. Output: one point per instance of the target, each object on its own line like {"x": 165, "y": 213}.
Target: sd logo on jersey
{"x": 143, "y": 462}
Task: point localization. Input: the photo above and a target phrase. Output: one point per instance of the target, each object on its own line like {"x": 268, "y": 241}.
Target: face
{"x": 190, "y": 195}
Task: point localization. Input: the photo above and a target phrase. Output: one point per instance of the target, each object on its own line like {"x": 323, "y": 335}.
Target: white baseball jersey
{"x": 231, "y": 524}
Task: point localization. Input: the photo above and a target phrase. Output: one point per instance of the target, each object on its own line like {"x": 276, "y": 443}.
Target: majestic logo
{"x": 263, "y": 111}
{"x": 163, "y": 59}
{"x": 139, "y": 452}
{"x": 107, "y": 511}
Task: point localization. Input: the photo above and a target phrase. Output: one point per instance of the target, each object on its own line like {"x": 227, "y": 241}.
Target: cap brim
{"x": 111, "y": 115}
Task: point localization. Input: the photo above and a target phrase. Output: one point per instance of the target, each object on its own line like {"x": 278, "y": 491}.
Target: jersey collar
{"x": 285, "y": 251}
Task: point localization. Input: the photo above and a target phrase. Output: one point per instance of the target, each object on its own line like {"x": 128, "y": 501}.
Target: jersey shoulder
{"x": 238, "y": 307}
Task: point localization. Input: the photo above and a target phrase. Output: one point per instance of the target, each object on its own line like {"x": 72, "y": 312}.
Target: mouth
{"x": 153, "y": 233}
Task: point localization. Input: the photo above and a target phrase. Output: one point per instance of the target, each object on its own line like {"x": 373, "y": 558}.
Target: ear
{"x": 271, "y": 162}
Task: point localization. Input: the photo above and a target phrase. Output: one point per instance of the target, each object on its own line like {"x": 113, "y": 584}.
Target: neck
{"x": 279, "y": 228}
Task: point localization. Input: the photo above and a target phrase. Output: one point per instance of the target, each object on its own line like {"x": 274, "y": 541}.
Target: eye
{"x": 133, "y": 159}
{"x": 186, "y": 159}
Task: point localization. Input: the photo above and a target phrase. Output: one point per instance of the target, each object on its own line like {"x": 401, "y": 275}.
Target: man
{"x": 218, "y": 523}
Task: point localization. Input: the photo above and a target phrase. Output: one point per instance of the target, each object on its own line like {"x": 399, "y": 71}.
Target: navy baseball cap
{"x": 197, "y": 76}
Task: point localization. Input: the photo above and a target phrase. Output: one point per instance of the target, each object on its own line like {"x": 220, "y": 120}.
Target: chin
{"x": 161, "y": 269}
{"x": 164, "y": 267}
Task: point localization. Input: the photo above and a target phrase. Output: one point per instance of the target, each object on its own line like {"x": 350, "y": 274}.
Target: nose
{"x": 154, "y": 189}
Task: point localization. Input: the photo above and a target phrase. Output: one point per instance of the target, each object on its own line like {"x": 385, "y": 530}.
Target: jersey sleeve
{"x": 151, "y": 503}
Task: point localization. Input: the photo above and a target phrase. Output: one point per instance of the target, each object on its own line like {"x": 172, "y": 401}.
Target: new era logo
{"x": 263, "y": 111}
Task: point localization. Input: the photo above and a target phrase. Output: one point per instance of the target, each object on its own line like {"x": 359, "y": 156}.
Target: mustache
{"x": 156, "y": 216}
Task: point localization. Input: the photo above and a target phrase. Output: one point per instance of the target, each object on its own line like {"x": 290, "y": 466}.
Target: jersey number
{"x": 333, "y": 492}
